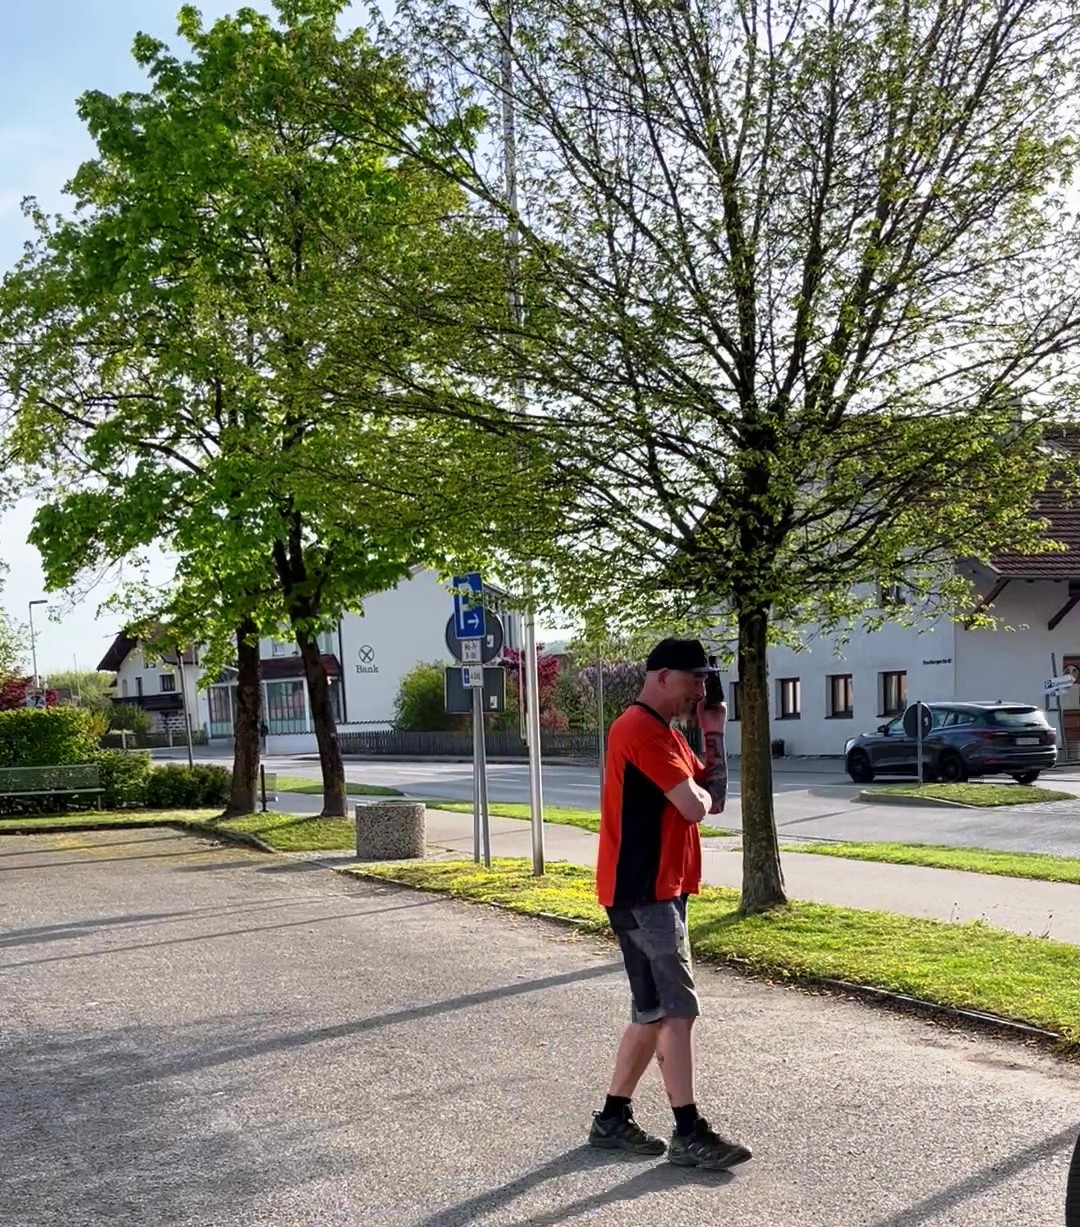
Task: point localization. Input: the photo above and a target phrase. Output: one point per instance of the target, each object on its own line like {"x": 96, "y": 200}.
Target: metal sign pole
{"x": 600, "y": 722}
{"x": 532, "y": 710}
{"x": 485, "y": 822}
{"x": 918, "y": 743}
{"x": 184, "y": 706}
{"x": 477, "y": 734}
{"x": 1060, "y": 712}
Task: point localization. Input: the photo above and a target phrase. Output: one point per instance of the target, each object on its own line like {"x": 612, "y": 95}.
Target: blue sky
{"x": 54, "y": 51}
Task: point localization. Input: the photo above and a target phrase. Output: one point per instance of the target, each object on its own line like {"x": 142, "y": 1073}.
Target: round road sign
{"x": 491, "y": 644}
{"x": 912, "y": 717}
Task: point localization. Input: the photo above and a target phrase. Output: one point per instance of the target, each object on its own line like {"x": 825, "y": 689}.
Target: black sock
{"x": 685, "y": 1119}
{"x": 615, "y": 1105}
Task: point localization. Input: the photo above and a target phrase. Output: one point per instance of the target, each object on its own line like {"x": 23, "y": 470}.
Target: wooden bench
{"x": 77, "y": 781}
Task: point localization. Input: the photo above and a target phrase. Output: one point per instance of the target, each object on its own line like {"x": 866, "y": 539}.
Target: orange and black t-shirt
{"x": 648, "y": 851}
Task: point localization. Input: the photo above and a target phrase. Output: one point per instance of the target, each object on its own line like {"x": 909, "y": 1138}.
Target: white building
{"x": 819, "y": 698}
{"x": 365, "y": 658}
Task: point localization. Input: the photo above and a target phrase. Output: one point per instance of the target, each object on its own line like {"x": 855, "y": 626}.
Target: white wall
{"x": 928, "y": 658}
{"x": 1013, "y": 664}
{"x": 943, "y": 661}
{"x": 401, "y": 627}
{"x": 136, "y": 666}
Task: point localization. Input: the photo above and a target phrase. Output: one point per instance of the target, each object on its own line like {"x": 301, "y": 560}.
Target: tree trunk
{"x": 763, "y": 880}
{"x": 335, "y": 801}
{"x": 247, "y": 729}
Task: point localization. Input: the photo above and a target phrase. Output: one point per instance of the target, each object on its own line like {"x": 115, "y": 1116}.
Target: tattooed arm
{"x": 712, "y": 721}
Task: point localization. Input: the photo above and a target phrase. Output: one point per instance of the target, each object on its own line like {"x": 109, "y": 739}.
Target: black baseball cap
{"x": 685, "y": 655}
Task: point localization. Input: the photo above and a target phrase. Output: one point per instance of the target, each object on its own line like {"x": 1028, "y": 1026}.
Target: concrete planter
{"x": 390, "y": 830}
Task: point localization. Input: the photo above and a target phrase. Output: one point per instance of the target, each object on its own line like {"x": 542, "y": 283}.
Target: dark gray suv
{"x": 965, "y": 739}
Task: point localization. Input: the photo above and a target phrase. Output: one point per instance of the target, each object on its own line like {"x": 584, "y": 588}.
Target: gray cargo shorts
{"x": 656, "y": 951}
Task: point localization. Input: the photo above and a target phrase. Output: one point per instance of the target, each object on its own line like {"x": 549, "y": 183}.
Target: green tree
{"x": 420, "y": 704}
{"x": 224, "y": 349}
{"x": 91, "y": 688}
{"x": 802, "y": 293}
{"x": 14, "y": 647}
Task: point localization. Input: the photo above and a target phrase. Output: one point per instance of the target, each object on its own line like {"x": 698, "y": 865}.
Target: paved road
{"x": 196, "y": 1036}
{"x": 813, "y": 801}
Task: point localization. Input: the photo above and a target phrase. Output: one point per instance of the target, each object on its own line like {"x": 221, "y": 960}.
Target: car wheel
{"x": 858, "y": 767}
{"x": 1025, "y": 777}
{"x": 951, "y": 768}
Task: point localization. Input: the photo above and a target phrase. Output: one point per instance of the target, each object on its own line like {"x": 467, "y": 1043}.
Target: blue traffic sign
{"x": 469, "y": 622}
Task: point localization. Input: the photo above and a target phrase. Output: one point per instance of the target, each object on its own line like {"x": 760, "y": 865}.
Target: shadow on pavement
{"x": 307, "y": 922}
{"x": 70, "y": 929}
{"x": 937, "y": 1204}
{"x": 105, "y": 860}
{"x": 658, "y": 1176}
{"x": 68, "y": 848}
{"x": 155, "y": 1070}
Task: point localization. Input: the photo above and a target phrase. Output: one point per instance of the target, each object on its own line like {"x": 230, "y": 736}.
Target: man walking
{"x": 656, "y": 792}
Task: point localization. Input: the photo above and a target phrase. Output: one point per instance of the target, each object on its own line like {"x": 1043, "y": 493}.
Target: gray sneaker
{"x": 704, "y": 1148}
{"x": 623, "y": 1133}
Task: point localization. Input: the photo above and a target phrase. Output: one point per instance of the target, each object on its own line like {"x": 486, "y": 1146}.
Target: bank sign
{"x": 366, "y": 663}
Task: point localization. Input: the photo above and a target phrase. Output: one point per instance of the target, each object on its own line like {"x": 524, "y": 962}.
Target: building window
{"x": 168, "y": 683}
{"x": 138, "y": 687}
{"x": 124, "y": 688}
{"x": 841, "y": 696}
{"x": 734, "y": 700}
{"x": 283, "y": 647}
{"x": 893, "y": 693}
{"x": 287, "y": 707}
{"x": 891, "y": 595}
{"x": 328, "y": 643}
{"x": 790, "y": 698}
{"x": 221, "y": 710}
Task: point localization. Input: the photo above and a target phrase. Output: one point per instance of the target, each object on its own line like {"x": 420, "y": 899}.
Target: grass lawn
{"x": 1035, "y": 865}
{"x": 297, "y": 783}
{"x": 558, "y": 815}
{"x": 285, "y": 832}
{"x": 972, "y": 966}
{"x": 974, "y": 794}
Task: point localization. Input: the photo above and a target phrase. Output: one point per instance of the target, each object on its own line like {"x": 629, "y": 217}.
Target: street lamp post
{"x": 33, "y": 642}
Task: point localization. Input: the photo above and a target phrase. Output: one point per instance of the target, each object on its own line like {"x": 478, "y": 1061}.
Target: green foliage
{"x": 129, "y": 716}
{"x": 180, "y": 787}
{"x": 243, "y": 344}
{"x": 46, "y": 737}
{"x": 89, "y": 688}
{"x": 420, "y": 704}
{"x": 801, "y": 313}
{"x": 125, "y": 776}
{"x": 14, "y": 646}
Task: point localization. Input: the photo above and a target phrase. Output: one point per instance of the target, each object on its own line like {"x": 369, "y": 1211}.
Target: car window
{"x": 958, "y": 719}
{"x": 895, "y": 728}
{"x": 1017, "y": 718}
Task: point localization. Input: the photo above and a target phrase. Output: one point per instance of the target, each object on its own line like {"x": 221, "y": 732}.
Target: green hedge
{"x": 125, "y": 776}
{"x": 177, "y": 787}
{"x": 46, "y": 737}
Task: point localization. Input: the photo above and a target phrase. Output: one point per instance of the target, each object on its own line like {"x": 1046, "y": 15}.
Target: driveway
{"x": 196, "y": 1036}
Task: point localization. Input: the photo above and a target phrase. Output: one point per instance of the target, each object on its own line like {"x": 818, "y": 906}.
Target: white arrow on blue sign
{"x": 469, "y": 621}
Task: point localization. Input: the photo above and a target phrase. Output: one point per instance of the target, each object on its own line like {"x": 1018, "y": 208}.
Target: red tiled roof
{"x": 1063, "y": 525}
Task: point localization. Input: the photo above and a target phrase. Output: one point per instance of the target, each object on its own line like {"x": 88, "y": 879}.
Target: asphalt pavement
{"x": 199, "y": 1036}
{"x": 814, "y": 800}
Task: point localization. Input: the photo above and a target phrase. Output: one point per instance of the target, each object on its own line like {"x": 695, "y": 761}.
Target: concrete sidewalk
{"x": 194, "y": 1035}
{"x": 1041, "y": 909}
